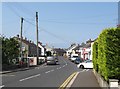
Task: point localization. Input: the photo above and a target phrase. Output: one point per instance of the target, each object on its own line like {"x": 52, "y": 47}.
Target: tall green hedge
{"x": 108, "y": 60}
{"x": 95, "y": 55}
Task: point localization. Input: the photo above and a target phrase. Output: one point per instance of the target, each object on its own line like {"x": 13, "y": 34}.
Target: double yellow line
{"x": 63, "y": 86}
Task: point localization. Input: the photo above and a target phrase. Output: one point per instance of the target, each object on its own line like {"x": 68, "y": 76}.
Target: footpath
{"x": 84, "y": 80}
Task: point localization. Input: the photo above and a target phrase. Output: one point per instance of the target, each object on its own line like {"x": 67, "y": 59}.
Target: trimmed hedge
{"x": 95, "y": 55}
{"x": 108, "y": 56}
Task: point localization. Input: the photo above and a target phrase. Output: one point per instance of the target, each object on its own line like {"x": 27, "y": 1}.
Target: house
{"x": 29, "y": 49}
{"x": 42, "y": 48}
{"x": 59, "y": 52}
{"x": 86, "y": 50}
{"x": 77, "y": 50}
{"x": 70, "y": 50}
{"x": 49, "y": 49}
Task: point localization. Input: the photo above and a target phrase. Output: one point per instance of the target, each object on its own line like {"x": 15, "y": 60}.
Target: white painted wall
{"x": 42, "y": 49}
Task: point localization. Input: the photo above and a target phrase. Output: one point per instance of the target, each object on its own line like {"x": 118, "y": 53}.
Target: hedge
{"x": 95, "y": 55}
{"x": 108, "y": 57}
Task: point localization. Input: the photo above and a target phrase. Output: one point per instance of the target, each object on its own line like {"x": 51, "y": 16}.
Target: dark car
{"x": 78, "y": 60}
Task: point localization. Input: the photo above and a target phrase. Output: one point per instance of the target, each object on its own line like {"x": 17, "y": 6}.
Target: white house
{"x": 42, "y": 48}
{"x": 87, "y": 50}
{"x": 70, "y": 50}
{"x": 48, "y": 48}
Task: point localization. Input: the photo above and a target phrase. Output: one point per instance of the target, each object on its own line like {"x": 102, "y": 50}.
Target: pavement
{"x": 85, "y": 78}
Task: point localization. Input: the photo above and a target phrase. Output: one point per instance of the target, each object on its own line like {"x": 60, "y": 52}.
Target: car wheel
{"x": 81, "y": 66}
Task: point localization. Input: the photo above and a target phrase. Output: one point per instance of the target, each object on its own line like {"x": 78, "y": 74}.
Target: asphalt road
{"x": 42, "y": 76}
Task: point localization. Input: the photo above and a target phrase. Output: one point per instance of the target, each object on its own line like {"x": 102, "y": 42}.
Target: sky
{"x": 60, "y": 23}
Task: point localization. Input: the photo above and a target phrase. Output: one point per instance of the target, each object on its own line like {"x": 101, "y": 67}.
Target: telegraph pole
{"x": 21, "y": 38}
{"x": 37, "y": 35}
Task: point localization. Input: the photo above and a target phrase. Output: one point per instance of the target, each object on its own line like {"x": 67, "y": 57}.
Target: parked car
{"x": 50, "y": 60}
{"x": 85, "y": 64}
{"x": 73, "y": 58}
{"x": 78, "y": 60}
{"x": 56, "y": 58}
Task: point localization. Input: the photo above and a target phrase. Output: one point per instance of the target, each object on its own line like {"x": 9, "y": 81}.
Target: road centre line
{"x": 64, "y": 66}
{"x": 29, "y": 77}
{"x": 47, "y": 72}
{"x": 51, "y": 70}
{"x": 59, "y": 68}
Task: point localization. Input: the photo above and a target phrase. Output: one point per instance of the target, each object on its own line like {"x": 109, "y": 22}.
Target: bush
{"x": 108, "y": 60}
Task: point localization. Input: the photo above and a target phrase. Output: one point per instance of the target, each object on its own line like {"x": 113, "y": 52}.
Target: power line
{"x": 61, "y": 22}
{"x": 13, "y": 11}
{"x": 52, "y": 34}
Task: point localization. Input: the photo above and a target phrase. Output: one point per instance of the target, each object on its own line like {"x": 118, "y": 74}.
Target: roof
{"x": 59, "y": 50}
{"x": 72, "y": 46}
{"x": 87, "y": 45}
{"x": 77, "y": 48}
{"x": 26, "y": 41}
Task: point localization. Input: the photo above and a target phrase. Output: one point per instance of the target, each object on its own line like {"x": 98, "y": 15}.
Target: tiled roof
{"x": 26, "y": 41}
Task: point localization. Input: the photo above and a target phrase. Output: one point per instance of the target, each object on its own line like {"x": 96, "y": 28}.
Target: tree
{"x": 10, "y": 50}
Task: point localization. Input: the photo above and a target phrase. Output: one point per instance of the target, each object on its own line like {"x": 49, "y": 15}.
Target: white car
{"x": 85, "y": 64}
{"x": 73, "y": 58}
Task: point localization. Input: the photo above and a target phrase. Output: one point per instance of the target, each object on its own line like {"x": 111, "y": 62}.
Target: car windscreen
{"x": 50, "y": 58}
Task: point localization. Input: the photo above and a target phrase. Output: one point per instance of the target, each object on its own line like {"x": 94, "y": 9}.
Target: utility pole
{"x": 37, "y": 36}
{"x": 21, "y": 39}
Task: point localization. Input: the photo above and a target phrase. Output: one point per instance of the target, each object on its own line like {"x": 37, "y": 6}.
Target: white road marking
{"x": 63, "y": 65}
{"x": 47, "y": 72}
{"x": 52, "y": 70}
{"x": 2, "y": 86}
{"x": 30, "y": 77}
{"x": 59, "y": 68}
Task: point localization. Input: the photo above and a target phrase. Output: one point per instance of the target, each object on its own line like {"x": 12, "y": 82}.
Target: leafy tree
{"x": 10, "y": 50}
